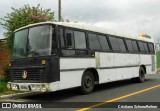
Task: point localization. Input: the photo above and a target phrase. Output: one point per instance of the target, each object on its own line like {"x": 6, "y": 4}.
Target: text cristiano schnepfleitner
{"x": 137, "y": 106}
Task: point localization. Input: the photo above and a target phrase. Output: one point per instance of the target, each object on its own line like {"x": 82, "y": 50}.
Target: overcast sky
{"x": 131, "y": 16}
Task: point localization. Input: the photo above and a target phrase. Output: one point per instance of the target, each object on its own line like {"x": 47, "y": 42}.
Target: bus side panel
{"x": 71, "y": 71}
{"x": 154, "y": 64}
{"x": 133, "y": 71}
{"x": 106, "y": 60}
{"x": 147, "y": 61}
{"x": 122, "y": 73}
{"x": 76, "y": 63}
{"x": 121, "y": 60}
{"x": 134, "y": 60}
{"x": 118, "y": 66}
{"x": 129, "y": 65}
{"x": 69, "y": 79}
{"x": 107, "y": 75}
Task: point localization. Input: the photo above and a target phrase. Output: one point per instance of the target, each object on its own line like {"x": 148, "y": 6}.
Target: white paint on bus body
{"x": 104, "y": 63}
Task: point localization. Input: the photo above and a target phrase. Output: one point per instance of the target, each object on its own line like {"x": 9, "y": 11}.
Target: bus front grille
{"x": 28, "y": 75}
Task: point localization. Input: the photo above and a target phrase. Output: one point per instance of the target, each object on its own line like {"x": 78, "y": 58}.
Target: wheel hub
{"x": 88, "y": 82}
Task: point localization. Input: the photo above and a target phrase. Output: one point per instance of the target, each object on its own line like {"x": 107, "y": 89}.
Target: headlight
{"x": 44, "y": 89}
{"x": 35, "y": 87}
{"x": 38, "y": 87}
{"x": 14, "y": 86}
{"x": 9, "y": 86}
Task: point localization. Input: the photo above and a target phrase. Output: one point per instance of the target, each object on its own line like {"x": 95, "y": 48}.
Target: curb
{"x": 18, "y": 95}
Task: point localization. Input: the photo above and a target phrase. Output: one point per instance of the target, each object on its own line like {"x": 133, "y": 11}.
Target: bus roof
{"x": 94, "y": 29}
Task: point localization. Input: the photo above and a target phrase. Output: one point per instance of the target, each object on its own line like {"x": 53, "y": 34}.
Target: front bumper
{"x": 37, "y": 87}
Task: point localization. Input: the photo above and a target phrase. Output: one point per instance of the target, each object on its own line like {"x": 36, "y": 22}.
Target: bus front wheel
{"x": 141, "y": 77}
{"x": 87, "y": 82}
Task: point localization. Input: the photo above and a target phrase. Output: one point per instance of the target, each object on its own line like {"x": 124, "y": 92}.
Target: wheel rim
{"x": 88, "y": 82}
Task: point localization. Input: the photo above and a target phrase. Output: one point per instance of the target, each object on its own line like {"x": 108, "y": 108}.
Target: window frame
{"x": 65, "y": 36}
{"x": 59, "y": 36}
{"x": 127, "y": 45}
{"x": 117, "y": 50}
{"x": 106, "y": 37}
{"x": 143, "y": 52}
{"x": 138, "y": 51}
{"x": 72, "y": 49}
{"x": 145, "y": 44}
{"x": 151, "y": 45}
{"x": 98, "y": 50}
{"x": 84, "y": 37}
{"x": 124, "y": 45}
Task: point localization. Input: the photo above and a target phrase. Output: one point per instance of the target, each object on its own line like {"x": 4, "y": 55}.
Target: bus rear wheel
{"x": 141, "y": 77}
{"x": 87, "y": 83}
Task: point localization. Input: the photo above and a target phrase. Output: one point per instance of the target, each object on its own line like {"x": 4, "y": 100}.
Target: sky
{"x": 128, "y": 16}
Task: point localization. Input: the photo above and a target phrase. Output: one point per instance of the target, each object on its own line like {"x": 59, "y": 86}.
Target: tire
{"x": 87, "y": 82}
{"x": 141, "y": 77}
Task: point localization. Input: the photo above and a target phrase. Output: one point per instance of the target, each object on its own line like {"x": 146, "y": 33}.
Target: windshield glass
{"x": 20, "y": 43}
{"x": 35, "y": 41}
{"x": 39, "y": 41}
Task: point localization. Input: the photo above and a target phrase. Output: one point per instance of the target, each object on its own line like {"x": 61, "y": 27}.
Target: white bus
{"x": 52, "y": 56}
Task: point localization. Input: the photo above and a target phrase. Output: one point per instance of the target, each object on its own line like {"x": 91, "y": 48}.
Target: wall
{"x": 4, "y": 58}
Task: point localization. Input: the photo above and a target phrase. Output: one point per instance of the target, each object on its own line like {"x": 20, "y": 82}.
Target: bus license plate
{"x": 24, "y": 87}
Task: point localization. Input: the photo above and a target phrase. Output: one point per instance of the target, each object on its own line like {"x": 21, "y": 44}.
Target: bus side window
{"x": 141, "y": 47}
{"x": 129, "y": 45}
{"x": 121, "y": 45}
{"x": 93, "y": 42}
{"x": 103, "y": 42}
{"x": 114, "y": 43}
{"x": 135, "y": 46}
{"x": 69, "y": 40}
{"x": 151, "y": 48}
{"x": 80, "y": 43}
{"x": 80, "y": 40}
{"x": 146, "y": 47}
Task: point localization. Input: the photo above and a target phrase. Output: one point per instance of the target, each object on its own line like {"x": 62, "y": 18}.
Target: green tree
{"x": 22, "y": 17}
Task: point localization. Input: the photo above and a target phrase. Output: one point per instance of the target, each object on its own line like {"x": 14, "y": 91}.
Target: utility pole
{"x": 59, "y": 11}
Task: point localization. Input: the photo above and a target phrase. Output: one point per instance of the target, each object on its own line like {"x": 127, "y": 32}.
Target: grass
{"x": 3, "y": 85}
{"x": 158, "y": 59}
{"x": 3, "y": 88}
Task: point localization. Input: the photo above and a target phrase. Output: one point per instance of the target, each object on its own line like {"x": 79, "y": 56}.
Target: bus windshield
{"x": 31, "y": 42}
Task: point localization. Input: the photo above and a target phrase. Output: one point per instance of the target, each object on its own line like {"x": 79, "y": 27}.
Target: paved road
{"x": 121, "y": 91}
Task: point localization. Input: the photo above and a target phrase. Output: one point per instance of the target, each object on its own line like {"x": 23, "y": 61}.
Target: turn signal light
{"x": 43, "y": 62}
